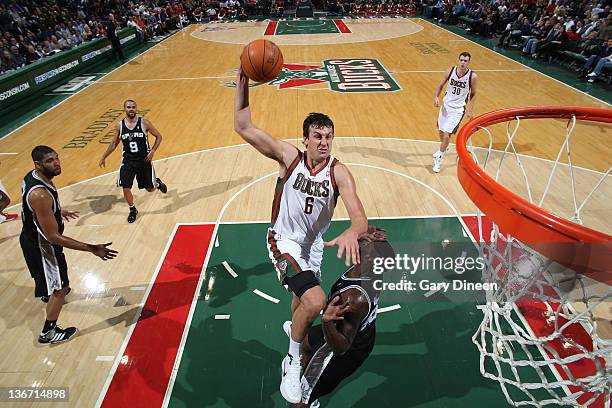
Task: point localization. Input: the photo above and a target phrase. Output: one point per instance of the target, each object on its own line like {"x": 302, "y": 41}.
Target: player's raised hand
{"x": 104, "y": 253}
{"x": 346, "y": 242}
{"x": 336, "y": 310}
{"x": 241, "y": 76}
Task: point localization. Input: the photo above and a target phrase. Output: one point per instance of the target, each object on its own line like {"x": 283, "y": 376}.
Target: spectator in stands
{"x": 140, "y": 35}
{"x": 242, "y": 15}
{"x": 197, "y": 14}
{"x": 558, "y": 42}
{"x": 591, "y": 63}
{"x": 538, "y": 33}
{"x": 32, "y": 55}
{"x": 19, "y": 60}
{"x": 520, "y": 27}
{"x": 459, "y": 10}
{"x": 491, "y": 22}
{"x": 603, "y": 63}
{"x": 605, "y": 29}
{"x": 7, "y": 62}
{"x": 438, "y": 10}
{"x": 211, "y": 13}
{"x": 65, "y": 42}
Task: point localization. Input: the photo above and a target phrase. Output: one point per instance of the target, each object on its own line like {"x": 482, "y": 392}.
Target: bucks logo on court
{"x": 340, "y": 75}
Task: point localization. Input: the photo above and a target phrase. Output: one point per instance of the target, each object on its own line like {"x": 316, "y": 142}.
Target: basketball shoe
{"x": 5, "y": 217}
{"x": 161, "y": 186}
{"x": 132, "y": 215}
{"x": 291, "y": 387}
{"x": 437, "y": 164}
{"x": 57, "y": 335}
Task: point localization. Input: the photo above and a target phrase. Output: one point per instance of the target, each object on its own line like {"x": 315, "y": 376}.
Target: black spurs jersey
{"x": 365, "y": 286}
{"x": 30, "y": 227}
{"x": 135, "y": 141}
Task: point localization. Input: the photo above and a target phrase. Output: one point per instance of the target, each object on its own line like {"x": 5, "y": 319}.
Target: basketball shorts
{"x": 3, "y": 193}
{"x": 449, "y": 118}
{"x": 291, "y": 258}
{"x": 142, "y": 170}
{"x": 46, "y": 263}
{"x": 326, "y": 370}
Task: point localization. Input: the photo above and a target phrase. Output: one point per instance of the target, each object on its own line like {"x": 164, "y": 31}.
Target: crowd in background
{"x": 539, "y": 28}
{"x": 31, "y": 30}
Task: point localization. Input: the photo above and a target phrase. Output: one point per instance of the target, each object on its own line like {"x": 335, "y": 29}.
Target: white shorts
{"x": 449, "y": 118}
{"x": 290, "y": 258}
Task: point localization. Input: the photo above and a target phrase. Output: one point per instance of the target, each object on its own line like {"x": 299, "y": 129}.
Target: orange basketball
{"x": 261, "y": 60}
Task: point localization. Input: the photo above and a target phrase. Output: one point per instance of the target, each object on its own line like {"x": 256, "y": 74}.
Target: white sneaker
{"x": 287, "y": 328}
{"x": 291, "y": 387}
{"x": 437, "y": 165}
{"x": 315, "y": 404}
{"x": 592, "y": 74}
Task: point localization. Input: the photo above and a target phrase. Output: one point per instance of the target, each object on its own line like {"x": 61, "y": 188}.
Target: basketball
{"x": 261, "y": 60}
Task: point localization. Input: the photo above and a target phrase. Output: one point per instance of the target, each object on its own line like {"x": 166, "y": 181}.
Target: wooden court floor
{"x": 183, "y": 85}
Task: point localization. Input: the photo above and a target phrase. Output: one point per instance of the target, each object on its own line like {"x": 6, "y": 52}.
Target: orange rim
{"x": 513, "y": 214}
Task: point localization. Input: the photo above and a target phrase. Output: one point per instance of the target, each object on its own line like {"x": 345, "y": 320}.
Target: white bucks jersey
{"x": 304, "y": 201}
{"x": 457, "y": 89}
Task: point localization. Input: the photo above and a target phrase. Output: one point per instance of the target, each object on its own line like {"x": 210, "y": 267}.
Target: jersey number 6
{"x": 308, "y": 206}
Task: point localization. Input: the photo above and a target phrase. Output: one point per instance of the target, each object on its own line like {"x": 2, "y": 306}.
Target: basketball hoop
{"x": 539, "y": 337}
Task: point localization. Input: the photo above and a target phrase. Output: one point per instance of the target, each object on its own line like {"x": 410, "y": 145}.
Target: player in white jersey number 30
{"x": 307, "y": 189}
{"x": 460, "y": 86}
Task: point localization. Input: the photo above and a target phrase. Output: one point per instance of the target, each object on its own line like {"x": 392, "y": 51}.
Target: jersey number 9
{"x": 133, "y": 147}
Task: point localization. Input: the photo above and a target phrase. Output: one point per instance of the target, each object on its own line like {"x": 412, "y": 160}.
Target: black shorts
{"x": 339, "y": 367}
{"x": 142, "y": 170}
{"x": 47, "y": 265}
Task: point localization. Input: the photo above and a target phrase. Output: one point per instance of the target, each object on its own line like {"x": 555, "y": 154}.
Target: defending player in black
{"x": 42, "y": 241}
{"x": 335, "y": 349}
{"x": 137, "y": 155}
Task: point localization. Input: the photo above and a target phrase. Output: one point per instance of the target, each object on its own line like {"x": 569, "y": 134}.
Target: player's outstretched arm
{"x": 441, "y": 86}
{"x": 347, "y": 241}
{"x": 341, "y": 319}
{"x": 112, "y": 146}
{"x": 282, "y": 152}
{"x": 41, "y": 202}
{"x": 472, "y": 103}
{"x": 158, "y": 138}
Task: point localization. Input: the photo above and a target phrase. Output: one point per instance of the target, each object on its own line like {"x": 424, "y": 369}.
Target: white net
{"x": 541, "y": 336}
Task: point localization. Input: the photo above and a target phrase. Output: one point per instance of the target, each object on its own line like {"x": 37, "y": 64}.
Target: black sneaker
{"x": 132, "y": 216}
{"x": 57, "y": 335}
{"x": 161, "y": 186}
{"x": 44, "y": 299}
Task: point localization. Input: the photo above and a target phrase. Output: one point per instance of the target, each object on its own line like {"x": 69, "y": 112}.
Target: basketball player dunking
{"x": 460, "y": 85}
{"x": 137, "y": 156}
{"x": 334, "y": 350}
{"x": 307, "y": 189}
